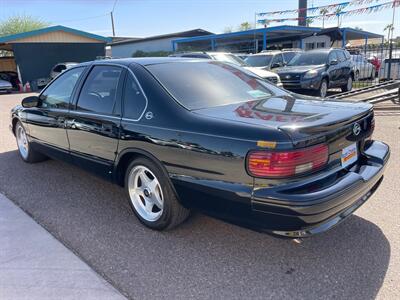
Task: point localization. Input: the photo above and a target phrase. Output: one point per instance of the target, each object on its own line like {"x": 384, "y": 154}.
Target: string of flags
{"x": 312, "y": 10}
{"x": 328, "y": 14}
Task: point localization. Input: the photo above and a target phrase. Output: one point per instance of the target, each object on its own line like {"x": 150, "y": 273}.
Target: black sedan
{"x": 181, "y": 134}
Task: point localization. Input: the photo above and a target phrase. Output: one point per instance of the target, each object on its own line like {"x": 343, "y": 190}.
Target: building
{"x": 127, "y": 47}
{"x": 32, "y": 54}
{"x": 277, "y": 37}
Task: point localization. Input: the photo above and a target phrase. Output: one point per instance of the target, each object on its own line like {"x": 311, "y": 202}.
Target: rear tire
{"x": 152, "y": 197}
{"x": 25, "y": 150}
{"x": 348, "y": 86}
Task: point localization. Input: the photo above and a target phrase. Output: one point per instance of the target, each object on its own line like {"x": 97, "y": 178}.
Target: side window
{"x": 333, "y": 56}
{"x": 98, "y": 94}
{"x": 134, "y": 101}
{"x": 58, "y": 94}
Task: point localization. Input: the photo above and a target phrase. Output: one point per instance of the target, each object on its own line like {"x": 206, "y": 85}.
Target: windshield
{"x": 198, "y": 85}
{"x": 259, "y": 60}
{"x": 309, "y": 58}
{"x": 288, "y": 56}
{"x": 229, "y": 58}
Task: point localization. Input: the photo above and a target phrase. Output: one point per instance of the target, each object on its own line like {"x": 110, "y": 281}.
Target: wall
{"x": 35, "y": 60}
{"x": 7, "y": 64}
{"x": 317, "y": 39}
{"x": 126, "y": 50}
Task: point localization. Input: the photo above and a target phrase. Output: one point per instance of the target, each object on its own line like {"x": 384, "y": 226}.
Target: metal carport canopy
{"x": 261, "y": 33}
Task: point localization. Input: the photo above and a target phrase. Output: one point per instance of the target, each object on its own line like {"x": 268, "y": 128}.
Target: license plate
{"x": 349, "y": 155}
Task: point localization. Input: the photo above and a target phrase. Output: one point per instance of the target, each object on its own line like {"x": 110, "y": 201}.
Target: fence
{"x": 374, "y": 64}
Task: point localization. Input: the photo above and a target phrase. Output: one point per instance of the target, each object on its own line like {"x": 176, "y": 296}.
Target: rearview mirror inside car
{"x": 31, "y": 101}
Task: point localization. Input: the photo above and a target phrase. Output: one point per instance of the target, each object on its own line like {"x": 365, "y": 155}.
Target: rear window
{"x": 207, "y": 84}
{"x": 259, "y": 60}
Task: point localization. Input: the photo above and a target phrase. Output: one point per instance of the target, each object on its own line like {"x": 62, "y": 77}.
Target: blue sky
{"x": 140, "y": 18}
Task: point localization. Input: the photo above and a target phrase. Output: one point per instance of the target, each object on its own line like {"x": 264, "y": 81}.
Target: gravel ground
{"x": 207, "y": 258}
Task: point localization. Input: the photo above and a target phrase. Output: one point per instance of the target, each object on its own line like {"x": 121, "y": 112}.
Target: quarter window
{"x": 99, "y": 91}
{"x": 59, "y": 93}
{"x": 134, "y": 100}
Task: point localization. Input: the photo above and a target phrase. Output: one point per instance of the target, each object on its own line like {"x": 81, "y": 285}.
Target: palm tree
{"x": 323, "y": 12}
{"x": 337, "y": 12}
{"x": 389, "y": 28}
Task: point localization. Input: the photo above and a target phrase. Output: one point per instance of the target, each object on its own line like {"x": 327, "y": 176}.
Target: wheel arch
{"x": 127, "y": 155}
{"x": 14, "y": 122}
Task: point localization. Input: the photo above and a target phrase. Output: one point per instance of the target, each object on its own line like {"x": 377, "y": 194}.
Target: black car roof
{"x": 144, "y": 61}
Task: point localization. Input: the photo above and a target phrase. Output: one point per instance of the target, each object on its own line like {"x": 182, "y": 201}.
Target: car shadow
{"x": 204, "y": 257}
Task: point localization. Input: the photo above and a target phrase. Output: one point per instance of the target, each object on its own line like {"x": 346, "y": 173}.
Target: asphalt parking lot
{"x": 207, "y": 258}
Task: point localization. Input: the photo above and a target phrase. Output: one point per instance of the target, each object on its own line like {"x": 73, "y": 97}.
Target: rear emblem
{"x": 356, "y": 129}
{"x": 149, "y": 115}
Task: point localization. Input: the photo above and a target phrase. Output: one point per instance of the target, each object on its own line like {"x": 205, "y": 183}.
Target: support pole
{"x": 264, "y": 40}
{"x": 112, "y": 23}
{"x": 344, "y": 38}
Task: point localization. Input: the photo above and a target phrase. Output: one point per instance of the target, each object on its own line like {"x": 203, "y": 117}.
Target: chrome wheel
{"x": 323, "y": 89}
{"x": 145, "y": 193}
{"x": 22, "y": 141}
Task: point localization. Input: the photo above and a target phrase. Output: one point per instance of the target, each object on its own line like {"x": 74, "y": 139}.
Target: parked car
{"x": 362, "y": 68}
{"x": 11, "y": 77}
{"x": 5, "y": 86}
{"x": 266, "y": 60}
{"x": 61, "y": 67}
{"x": 318, "y": 70}
{"x": 182, "y": 134}
{"x": 232, "y": 59}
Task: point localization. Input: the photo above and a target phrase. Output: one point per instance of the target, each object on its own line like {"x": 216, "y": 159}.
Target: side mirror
{"x": 276, "y": 65}
{"x": 31, "y": 101}
{"x": 333, "y": 62}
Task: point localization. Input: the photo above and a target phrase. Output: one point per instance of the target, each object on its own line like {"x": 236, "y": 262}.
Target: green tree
{"x": 323, "y": 12}
{"x": 20, "y": 23}
{"x": 389, "y": 28}
{"x": 338, "y": 15}
{"x": 228, "y": 29}
{"x": 245, "y": 26}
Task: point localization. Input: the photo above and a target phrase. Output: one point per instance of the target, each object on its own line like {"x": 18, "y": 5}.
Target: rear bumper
{"x": 303, "y": 209}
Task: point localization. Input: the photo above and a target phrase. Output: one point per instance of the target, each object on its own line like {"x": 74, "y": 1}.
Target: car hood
{"x": 261, "y": 72}
{"x": 297, "y": 69}
{"x": 5, "y": 84}
{"x": 298, "y": 117}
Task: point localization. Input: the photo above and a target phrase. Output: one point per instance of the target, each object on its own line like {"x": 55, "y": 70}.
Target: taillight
{"x": 286, "y": 163}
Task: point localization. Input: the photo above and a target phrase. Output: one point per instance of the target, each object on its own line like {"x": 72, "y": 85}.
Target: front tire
{"x": 25, "y": 150}
{"x": 152, "y": 197}
{"x": 323, "y": 88}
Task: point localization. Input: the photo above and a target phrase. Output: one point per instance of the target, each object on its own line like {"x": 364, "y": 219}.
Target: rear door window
{"x": 134, "y": 100}
{"x": 99, "y": 91}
